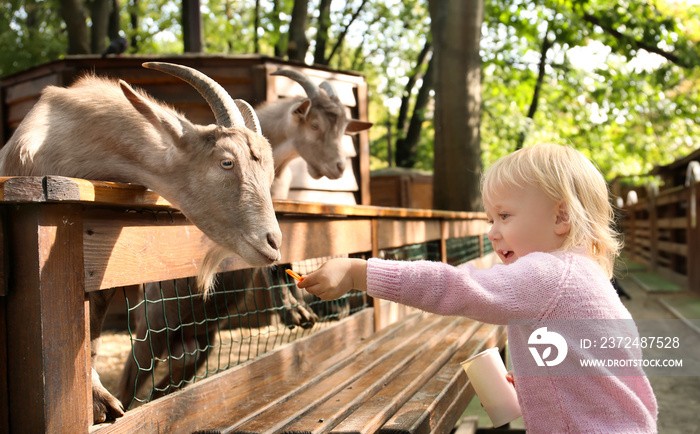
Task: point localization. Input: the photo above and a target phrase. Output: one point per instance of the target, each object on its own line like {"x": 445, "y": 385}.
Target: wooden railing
{"x": 63, "y": 238}
{"x": 661, "y": 231}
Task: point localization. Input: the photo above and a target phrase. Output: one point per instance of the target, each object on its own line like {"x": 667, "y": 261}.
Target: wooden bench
{"x": 405, "y": 378}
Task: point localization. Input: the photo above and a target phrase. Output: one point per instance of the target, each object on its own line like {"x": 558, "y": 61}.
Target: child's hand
{"x": 336, "y": 277}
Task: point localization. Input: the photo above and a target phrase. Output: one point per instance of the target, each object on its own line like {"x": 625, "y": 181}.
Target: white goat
{"x": 310, "y": 127}
{"x": 219, "y": 175}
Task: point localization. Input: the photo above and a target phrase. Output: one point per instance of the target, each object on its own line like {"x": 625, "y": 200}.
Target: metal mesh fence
{"x": 178, "y": 338}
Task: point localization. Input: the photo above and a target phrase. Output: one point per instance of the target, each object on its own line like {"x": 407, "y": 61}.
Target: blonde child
{"x": 552, "y": 228}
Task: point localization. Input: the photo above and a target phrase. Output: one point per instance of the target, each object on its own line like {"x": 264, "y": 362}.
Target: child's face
{"x": 525, "y": 220}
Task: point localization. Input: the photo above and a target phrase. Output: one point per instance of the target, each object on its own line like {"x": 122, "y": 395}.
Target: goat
{"x": 310, "y": 127}
{"x": 218, "y": 175}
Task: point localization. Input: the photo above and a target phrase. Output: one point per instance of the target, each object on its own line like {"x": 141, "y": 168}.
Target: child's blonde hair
{"x": 564, "y": 174}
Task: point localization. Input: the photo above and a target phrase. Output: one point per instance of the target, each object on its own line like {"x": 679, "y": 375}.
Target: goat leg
{"x": 104, "y": 405}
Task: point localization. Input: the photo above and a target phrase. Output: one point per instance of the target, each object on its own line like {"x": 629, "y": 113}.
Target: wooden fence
{"x": 63, "y": 238}
{"x": 661, "y": 231}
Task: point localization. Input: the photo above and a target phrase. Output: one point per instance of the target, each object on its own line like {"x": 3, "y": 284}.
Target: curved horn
{"x": 309, "y": 86}
{"x": 330, "y": 90}
{"x": 249, "y": 116}
{"x": 225, "y": 110}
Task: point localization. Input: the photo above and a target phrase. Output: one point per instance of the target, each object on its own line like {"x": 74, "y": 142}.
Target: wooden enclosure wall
{"x": 64, "y": 237}
{"x": 661, "y": 231}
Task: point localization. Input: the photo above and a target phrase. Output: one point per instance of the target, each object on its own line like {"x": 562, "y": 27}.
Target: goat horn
{"x": 330, "y": 90}
{"x": 225, "y": 110}
{"x": 309, "y": 86}
{"x": 249, "y": 116}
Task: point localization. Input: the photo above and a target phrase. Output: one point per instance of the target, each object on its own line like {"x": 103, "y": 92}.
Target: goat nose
{"x": 274, "y": 240}
{"x": 341, "y": 167}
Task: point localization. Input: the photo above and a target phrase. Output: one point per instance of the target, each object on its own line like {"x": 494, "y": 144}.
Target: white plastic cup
{"x": 487, "y": 374}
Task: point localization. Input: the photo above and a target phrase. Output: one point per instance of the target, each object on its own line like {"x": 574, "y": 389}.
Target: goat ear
{"x": 355, "y": 126}
{"x": 160, "y": 119}
{"x": 303, "y": 108}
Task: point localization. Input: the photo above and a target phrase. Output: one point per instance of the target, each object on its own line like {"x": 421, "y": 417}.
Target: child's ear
{"x": 563, "y": 224}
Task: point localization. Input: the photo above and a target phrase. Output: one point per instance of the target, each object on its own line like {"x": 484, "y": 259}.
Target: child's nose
{"x": 493, "y": 234}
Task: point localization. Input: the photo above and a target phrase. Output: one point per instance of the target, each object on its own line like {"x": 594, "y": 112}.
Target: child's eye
{"x": 504, "y": 216}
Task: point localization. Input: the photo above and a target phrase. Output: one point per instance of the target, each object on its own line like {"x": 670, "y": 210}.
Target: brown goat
{"x": 311, "y": 127}
{"x": 219, "y": 175}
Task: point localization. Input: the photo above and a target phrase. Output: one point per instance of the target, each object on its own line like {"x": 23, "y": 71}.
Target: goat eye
{"x": 227, "y": 164}
{"x": 314, "y": 127}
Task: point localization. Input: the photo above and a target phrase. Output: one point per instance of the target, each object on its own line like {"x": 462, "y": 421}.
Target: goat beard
{"x": 207, "y": 273}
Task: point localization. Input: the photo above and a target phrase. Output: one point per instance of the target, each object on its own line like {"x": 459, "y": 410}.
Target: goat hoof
{"x": 104, "y": 405}
{"x": 106, "y": 408}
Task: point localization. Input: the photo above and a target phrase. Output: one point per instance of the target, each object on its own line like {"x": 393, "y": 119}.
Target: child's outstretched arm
{"x": 336, "y": 277}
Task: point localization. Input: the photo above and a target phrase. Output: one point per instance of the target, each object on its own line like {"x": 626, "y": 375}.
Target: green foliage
{"x": 33, "y": 34}
{"x": 625, "y": 116}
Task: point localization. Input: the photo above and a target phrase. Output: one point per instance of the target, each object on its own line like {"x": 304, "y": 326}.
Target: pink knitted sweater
{"x": 539, "y": 286}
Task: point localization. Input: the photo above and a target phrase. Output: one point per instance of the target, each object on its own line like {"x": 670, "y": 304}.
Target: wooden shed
{"x": 244, "y": 76}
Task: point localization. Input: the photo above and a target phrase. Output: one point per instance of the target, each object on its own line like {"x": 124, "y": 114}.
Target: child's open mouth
{"x": 507, "y": 254}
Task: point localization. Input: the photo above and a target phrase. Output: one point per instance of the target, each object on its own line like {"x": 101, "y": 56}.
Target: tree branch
{"x": 638, "y": 44}
{"x": 339, "y": 42}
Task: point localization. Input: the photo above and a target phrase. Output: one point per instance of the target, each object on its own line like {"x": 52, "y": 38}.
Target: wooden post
{"x": 444, "y": 235}
{"x": 49, "y": 387}
{"x": 653, "y": 229}
{"x": 692, "y": 231}
{"x": 630, "y": 237}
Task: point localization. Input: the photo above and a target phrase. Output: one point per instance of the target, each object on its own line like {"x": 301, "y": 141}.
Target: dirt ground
{"x": 678, "y": 398}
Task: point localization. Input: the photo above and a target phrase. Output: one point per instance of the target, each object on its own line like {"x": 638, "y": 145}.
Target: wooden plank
{"x": 673, "y": 223}
{"x": 326, "y": 403}
{"x": 229, "y": 397}
{"x": 61, "y": 189}
{"x": 22, "y": 189}
{"x": 344, "y": 382}
{"x": 675, "y": 248}
{"x": 130, "y": 248}
{"x": 4, "y": 397}
{"x": 49, "y": 371}
{"x": 4, "y": 258}
{"x": 314, "y": 238}
{"x": 466, "y": 228}
{"x": 395, "y": 233}
{"x": 671, "y": 196}
{"x": 372, "y": 414}
{"x": 437, "y": 406}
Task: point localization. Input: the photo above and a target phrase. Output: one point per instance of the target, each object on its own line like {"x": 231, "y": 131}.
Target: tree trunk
{"x": 114, "y": 21}
{"x": 456, "y": 31}
{"x": 276, "y": 24}
{"x": 407, "y": 148}
{"x": 192, "y": 26}
{"x": 406, "y": 98}
{"x": 75, "y": 17}
{"x": 298, "y": 44}
{"x": 134, "y": 21}
{"x": 324, "y": 23}
{"x": 256, "y": 25}
{"x": 99, "y": 14}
